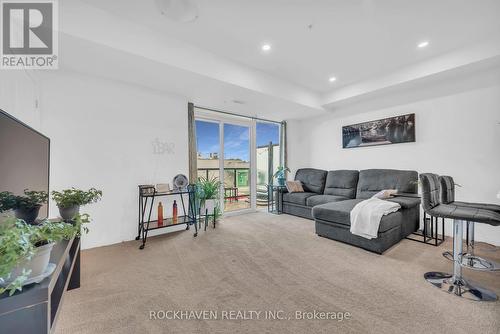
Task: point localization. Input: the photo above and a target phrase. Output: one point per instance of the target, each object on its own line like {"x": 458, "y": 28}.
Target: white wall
{"x": 457, "y": 135}
{"x": 102, "y": 135}
{"x": 19, "y": 92}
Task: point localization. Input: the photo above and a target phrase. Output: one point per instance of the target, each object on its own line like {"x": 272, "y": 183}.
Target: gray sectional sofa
{"x": 329, "y": 197}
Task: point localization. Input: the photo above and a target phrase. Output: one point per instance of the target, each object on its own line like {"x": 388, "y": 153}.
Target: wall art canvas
{"x": 392, "y": 130}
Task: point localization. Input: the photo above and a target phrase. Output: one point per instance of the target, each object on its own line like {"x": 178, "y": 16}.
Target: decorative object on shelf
{"x": 174, "y": 212}
{"x": 392, "y": 130}
{"x": 280, "y": 175}
{"x": 26, "y": 207}
{"x": 34, "y": 268}
{"x": 26, "y": 249}
{"x": 160, "y": 214}
{"x": 146, "y": 203}
{"x": 163, "y": 187}
{"x": 69, "y": 201}
{"x": 146, "y": 189}
{"x": 180, "y": 182}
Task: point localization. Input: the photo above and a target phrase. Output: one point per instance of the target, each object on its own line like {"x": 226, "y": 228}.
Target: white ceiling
{"x": 353, "y": 40}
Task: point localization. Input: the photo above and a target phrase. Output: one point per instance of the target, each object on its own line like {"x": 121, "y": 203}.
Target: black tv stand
{"x": 35, "y": 309}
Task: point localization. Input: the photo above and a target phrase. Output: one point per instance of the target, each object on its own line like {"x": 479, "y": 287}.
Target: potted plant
{"x": 280, "y": 175}
{"x": 207, "y": 193}
{"x": 69, "y": 200}
{"x": 26, "y": 207}
{"x": 25, "y": 249}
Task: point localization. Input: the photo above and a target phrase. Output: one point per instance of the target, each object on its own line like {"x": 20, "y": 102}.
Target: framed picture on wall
{"x": 392, "y": 130}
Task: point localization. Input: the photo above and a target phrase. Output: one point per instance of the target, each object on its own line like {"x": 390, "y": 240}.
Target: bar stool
{"x": 469, "y": 259}
{"x": 455, "y": 283}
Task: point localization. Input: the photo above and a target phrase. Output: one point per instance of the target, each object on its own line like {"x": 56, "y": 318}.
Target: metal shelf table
{"x": 147, "y": 196}
{"x": 274, "y": 204}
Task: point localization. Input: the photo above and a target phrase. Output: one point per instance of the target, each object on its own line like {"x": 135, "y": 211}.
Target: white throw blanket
{"x": 366, "y": 216}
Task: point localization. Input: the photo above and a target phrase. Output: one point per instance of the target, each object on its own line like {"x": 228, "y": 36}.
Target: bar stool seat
{"x": 447, "y": 187}
{"x": 482, "y": 206}
{"x": 455, "y": 283}
{"x": 471, "y": 214}
{"x": 469, "y": 259}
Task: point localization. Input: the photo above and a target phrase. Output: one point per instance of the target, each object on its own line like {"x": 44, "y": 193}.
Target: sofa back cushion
{"x": 342, "y": 183}
{"x": 371, "y": 181}
{"x": 313, "y": 180}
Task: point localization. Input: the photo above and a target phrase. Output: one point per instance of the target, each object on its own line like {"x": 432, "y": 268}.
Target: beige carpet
{"x": 263, "y": 262}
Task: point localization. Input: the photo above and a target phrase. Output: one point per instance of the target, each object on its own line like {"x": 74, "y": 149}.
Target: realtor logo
{"x": 29, "y": 34}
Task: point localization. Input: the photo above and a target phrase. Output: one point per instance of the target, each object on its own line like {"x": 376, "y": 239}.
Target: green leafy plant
{"x": 18, "y": 243}
{"x": 75, "y": 197}
{"x": 208, "y": 188}
{"x": 30, "y": 200}
{"x": 7, "y": 201}
{"x": 15, "y": 246}
{"x": 280, "y": 172}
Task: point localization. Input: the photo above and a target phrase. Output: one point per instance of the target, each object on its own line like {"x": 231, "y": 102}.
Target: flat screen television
{"x": 24, "y": 158}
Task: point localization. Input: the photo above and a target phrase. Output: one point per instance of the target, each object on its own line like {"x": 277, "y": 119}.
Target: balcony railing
{"x": 234, "y": 190}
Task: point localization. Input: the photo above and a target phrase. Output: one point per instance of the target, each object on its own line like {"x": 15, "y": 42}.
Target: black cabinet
{"x": 35, "y": 309}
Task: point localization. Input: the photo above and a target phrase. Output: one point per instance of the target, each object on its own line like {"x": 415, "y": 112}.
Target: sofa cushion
{"x": 294, "y": 187}
{"x": 340, "y": 213}
{"x": 322, "y": 199}
{"x": 371, "y": 181}
{"x": 313, "y": 180}
{"x": 297, "y": 198}
{"x": 342, "y": 183}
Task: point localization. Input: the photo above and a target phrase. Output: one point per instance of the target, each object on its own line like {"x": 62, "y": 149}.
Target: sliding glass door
{"x": 268, "y": 157}
{"x": 224, "y": 153}
{"x": 243, "y": 154}
{"x": 237, "y": 185}
{"x": 208, "y": 148}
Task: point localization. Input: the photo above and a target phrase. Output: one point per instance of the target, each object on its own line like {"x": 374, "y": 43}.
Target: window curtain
{"x": 284, "y": 157}
{"x": 193, "y": 156}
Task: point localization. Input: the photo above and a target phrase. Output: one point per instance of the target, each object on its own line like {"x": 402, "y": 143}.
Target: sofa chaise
{"x": 329, "y": 197}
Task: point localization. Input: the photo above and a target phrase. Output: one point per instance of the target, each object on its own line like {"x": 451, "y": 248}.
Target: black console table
{"x": 147, "y": 195}
{"x": 35, "y": 309}
{"x": 429, "y": 234}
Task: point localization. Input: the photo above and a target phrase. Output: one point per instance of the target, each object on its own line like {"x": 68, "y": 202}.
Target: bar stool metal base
{"x": 474, "y": 262}
{"x": 478, "y": 263}
{"x": 455, "y": 283}
{"x": 460, "y": 287}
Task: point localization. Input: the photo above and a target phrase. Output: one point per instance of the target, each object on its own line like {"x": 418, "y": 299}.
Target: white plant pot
{"x": 38, "y": 264}
{"x": 209, "y": 205}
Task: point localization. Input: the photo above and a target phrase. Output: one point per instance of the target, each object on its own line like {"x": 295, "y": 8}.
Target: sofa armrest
{"x": 405, "y": 202}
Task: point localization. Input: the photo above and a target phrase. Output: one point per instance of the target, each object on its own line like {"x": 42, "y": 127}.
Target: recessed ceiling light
{"x": 332, "y": 79}
{"x": 266, "y": 47}
{"x": 423, "y": 44}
